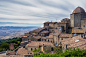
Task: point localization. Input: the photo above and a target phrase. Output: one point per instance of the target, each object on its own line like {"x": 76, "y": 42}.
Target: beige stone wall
{"x": 83, "y": 24}
{"x": 29, "y": 49}
{"x": 72, "y": 20}
{"x": 65, "y": 26}
{"x": 50, "y": 40}
{"x": 77, "y": 20}
{"x": 51, "y": 25}
{"x": 55, "y": 39}
{"x": 46, "y": 24}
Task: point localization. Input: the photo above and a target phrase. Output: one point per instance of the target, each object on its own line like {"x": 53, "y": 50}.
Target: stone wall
{"x": 83, "y": 24}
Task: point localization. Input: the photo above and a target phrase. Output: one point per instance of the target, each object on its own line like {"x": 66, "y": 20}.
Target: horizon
{"x": 36, "y": 12}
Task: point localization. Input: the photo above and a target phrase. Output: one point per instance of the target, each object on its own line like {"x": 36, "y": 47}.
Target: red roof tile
{"x": 38, "y": 43}
{"x": 22, "y": 51}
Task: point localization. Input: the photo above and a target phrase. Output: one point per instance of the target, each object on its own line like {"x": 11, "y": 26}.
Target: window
{"x": 62, "y": 39}
{"x": 83, "y": 25}
{"x": 31, "y": 49}
{"x": 48, "y": 40}
{"x": 30, "y": 53}
{"x": 77, "y": 17}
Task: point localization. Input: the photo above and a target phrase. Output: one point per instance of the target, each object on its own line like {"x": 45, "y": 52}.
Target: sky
{"x": 36, "y": 12}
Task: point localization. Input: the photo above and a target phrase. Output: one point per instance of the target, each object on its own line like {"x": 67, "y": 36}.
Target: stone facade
{"x": 83, "y": 23}
{"x": 76, "y": 17}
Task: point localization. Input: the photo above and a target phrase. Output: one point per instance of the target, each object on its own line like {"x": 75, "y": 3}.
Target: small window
{"x": 77, "y": 17}
{"x": 48, "y": 40}
{"x": 83, "y": 25}
{"x": 31, "y": 49}
{"x": 62, "y": 39}
{"x": 30, "y": 53}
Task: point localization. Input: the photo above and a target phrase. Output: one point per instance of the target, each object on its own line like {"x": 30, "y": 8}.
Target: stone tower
{"x": 76, "y": 17}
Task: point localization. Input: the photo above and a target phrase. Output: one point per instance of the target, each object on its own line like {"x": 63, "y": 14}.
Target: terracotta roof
{"x": 78, "y": 10}
{"x": 75, "y": 42}
{"x": 10, "y": 52}
{"x": 22, "y": 51}
{"x": 65, "y": 35}
{"x": 24, "y": 41}
{"x": 57, "y": 33}
{"x": 34, "y": 34}
{"x": 11, "y": 45}
{"x": 50, "y": 36}
{"x": 45, "y": 32}
{"x": 43, "y": 37}
{"x": 39, "y": 43}
{"x": 37, "y": 37}
{"x": 74, "y": 30}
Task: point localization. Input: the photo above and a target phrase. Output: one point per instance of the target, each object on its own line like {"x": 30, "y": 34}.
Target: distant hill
{"x": 12, "y": 31}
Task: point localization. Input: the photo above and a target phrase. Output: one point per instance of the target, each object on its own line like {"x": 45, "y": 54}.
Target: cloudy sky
{"x": 36, "y": 12}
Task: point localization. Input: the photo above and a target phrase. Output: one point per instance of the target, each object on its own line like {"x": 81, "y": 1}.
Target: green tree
{"x": 1, "y": 49}
{"x": 5, "y": 46}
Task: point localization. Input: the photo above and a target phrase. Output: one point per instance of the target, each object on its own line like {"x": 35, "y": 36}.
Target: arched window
{"x": 31, "y": 49}
{"x": 52, "y": 49}
{"x": 48, "y": 40}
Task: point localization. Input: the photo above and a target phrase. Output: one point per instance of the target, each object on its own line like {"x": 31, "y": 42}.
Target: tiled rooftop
{"x": 45, "y": 32}
{"x": 22, "y": 51}
{"x": 65, "y": 35}
{"x": 10, "y": 52}
{"x": 75, "y": 42}
{"x": 37, "y": 37}
{"x": 38, "y": 43}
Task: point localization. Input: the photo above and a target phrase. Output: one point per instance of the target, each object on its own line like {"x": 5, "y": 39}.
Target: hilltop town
{"x": 69, "y": 33}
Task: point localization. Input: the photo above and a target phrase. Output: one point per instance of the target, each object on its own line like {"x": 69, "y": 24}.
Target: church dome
{"x": 78, "y": 10}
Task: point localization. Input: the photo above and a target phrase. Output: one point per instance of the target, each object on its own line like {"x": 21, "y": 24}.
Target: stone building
{"x": 41, "y": 45}
{"x": 83, "y": 23}
{"x": 75, "y": 42}
{"x": 66, "y": 20}
{"x": 58, "y": 37}
{"x": 55, "y": 25}
{"x": 78, "y": 17}
{"x": 77, "y": 31}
